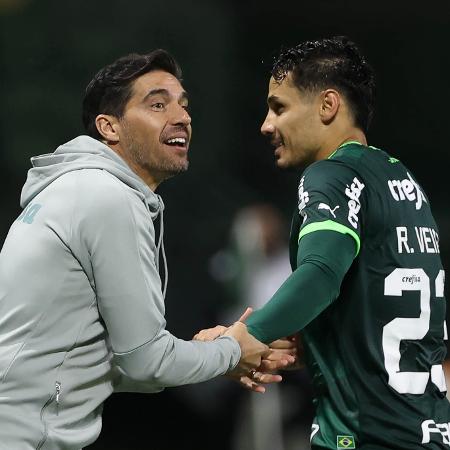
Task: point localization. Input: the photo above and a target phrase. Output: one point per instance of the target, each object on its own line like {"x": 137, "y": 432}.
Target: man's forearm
{"x": 324, "y": 258}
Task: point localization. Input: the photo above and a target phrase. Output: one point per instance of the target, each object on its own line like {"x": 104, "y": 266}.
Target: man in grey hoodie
{"x": 81, "y": 298}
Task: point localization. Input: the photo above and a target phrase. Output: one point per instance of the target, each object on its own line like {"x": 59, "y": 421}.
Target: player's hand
{"x": 291, "y": 345}
{"x": 278, "y": 358}
{"x": 284, "y": 354}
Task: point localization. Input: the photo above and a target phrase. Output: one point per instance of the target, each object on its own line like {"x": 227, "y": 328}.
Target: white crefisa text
{"x": 354, "y": 192}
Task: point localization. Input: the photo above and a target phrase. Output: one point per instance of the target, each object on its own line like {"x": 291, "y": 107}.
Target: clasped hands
{"x": 258, "y": 361}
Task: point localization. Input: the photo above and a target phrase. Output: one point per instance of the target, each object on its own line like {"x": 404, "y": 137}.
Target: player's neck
{"x": 337, "y": 140}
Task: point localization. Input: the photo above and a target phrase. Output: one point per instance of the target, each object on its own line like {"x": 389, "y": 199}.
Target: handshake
{"x": 258, "y": 361}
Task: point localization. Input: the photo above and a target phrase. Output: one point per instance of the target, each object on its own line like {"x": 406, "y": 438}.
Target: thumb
{"x": 246, "y": 314}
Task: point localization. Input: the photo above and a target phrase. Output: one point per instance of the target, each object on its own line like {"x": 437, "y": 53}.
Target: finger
{"x": 289, "y": 359}
{"x": 281, "y": 354}
{"x": 210, "y": 334}
{"x": 283, "y": 344}
{"x": 251, "y": 385}
{"x": 268, "y": 365}
{"x": 267, "y": 378}
{"x": 246, "y": 314}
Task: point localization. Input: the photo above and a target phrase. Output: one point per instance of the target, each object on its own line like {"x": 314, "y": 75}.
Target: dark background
{"x": 49, "y": 50}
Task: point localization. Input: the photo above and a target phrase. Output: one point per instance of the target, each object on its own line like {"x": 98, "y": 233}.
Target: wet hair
{"x": 331, "y": 63}
{"x": 111, "y": 88}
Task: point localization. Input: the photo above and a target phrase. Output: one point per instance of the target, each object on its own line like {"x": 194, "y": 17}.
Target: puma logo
{"x": 327, "y": 207}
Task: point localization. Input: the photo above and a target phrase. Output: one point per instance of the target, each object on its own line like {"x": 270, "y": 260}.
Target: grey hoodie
{"x": 81, "y": 304}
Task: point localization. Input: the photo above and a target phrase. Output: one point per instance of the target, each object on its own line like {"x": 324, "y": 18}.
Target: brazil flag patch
{"x": 345, "y": 442}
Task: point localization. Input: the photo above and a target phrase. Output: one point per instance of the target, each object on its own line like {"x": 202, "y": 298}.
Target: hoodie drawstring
{"x": 160, "y": 246}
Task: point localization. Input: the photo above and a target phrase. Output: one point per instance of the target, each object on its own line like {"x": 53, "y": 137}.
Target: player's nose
{"x": 267, "y": 127}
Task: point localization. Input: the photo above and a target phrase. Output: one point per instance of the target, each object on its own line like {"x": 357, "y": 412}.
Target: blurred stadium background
{"x": 49, "y": 50}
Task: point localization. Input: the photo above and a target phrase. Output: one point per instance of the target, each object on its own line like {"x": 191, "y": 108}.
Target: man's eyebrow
{"x": 164, "y": 93}
{"x": 184, "y": 96}
{"x": 160, "y": 91}
{"x": 272, "y": 100}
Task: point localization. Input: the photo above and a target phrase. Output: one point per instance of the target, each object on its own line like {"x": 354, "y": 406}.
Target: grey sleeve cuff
{"x": 236, "y": 354}
{"x": 168, "y": 361}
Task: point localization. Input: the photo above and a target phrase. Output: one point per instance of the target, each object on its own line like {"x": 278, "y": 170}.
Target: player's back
{"x": 376, "y": 352}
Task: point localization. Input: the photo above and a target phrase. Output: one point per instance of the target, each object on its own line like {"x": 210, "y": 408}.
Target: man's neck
{"x": 149, "y": 180}
{"x": 334, "y": 142}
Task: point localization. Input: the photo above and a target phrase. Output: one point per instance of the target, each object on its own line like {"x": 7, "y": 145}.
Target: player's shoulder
{"x": 353, "y": 158}
{"x": 337, "y": 166}
{"x": 359, "y": 155}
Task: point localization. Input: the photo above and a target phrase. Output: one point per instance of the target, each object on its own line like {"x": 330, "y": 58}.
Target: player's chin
{"x": 283, "y": 162}
{"x": 283, "y": 157}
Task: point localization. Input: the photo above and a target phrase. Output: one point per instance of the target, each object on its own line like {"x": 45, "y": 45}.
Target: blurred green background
{"x": 49, "y": 51}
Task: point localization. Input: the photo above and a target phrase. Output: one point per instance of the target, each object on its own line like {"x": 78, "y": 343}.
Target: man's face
{"x": 156, "y": 127}
{"x": 292, "y": 123}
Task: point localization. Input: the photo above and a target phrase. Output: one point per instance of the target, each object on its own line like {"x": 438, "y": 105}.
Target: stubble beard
{"x": 159, "y": 166}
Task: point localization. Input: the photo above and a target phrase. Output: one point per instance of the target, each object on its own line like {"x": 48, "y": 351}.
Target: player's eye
{"x": 277, "y": 108}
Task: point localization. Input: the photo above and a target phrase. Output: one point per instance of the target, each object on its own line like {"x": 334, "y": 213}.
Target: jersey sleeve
{"x": 323, "y": 260}
{"x": 332, "y": 196}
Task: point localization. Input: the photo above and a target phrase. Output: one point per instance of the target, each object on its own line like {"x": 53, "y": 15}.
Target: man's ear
{"x": 108, "y": 127}
{"x": 329, "y": 106}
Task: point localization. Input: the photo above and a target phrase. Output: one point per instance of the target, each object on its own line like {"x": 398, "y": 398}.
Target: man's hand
{"x": 255, "y": 380}
{"x": 209, "y": 334}
{"x": 291, "y": 345}
{"x": 252, "y": 350}
{"x": 282, "y": 355}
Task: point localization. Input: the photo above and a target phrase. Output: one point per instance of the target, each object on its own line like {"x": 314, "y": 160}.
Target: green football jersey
{"x": 375, "y": 354}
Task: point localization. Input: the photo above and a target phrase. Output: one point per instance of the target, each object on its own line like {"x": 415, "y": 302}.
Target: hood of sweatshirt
{"x": 84, "y": 152}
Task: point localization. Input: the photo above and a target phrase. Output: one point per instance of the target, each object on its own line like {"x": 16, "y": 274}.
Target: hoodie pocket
{"x": 8, "y": 354}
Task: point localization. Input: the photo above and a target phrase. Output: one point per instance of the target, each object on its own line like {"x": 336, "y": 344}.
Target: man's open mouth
{"x": 176, "y": 142}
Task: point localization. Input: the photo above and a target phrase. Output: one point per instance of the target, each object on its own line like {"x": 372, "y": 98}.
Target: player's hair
{"x": 111, "y": 88}
{"x": 331, "y": 63}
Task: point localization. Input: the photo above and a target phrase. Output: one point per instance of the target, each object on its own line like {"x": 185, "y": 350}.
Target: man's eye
{"x": 278, "y": 109}
{"x": 158, "y": 105}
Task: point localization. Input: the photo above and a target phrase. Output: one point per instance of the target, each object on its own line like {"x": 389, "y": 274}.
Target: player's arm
{"x": 324, "y": 258}
{"x": 330, "y": 204}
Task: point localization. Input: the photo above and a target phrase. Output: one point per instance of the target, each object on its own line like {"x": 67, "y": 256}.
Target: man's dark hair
{"x": 111, "y": 88}
{"x": 331, "y": 63}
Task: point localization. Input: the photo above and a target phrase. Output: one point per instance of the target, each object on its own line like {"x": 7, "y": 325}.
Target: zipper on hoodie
{"x": 55, "y": 396}
{"x": 58, "y": 393}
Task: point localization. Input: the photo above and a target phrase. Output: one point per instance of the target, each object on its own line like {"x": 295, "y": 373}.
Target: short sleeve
{"x": 332, "y": 196}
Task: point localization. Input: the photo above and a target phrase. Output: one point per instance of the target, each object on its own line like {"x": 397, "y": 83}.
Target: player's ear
{"x": 329, "y": 105}
{"x": 108, "y": 126}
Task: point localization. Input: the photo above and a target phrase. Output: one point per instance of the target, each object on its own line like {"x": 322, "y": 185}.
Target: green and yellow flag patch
{"x": 345, "y": 442}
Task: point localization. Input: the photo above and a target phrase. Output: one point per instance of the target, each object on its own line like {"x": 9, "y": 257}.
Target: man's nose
{"x": 267, "y": 127}
{"x": 182, "y": 117}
